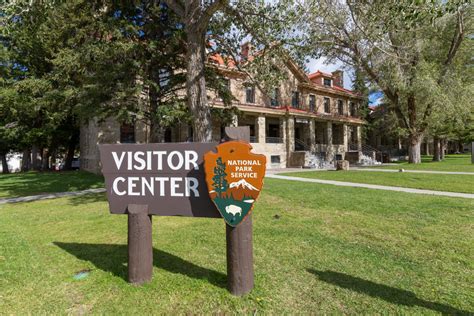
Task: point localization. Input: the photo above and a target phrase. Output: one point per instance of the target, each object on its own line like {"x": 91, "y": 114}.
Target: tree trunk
{"x": 157, "y": 132}
{"x": 196, "y": 84}
{"x": 71, "y": 149}
{"x": 427, "y": 147}
{"x": 45, "y": 160}
{"x": 414, "y": 148}
{"x": 436, "y": 149}
{"x": 26, "y": 160}
{"x": 442, "y": 148}
{"x": 4, "y": 164}
{"x": 35, "y": 161}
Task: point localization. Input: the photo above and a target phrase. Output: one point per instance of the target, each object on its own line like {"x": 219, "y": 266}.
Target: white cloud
{"x": 320, "y": 64}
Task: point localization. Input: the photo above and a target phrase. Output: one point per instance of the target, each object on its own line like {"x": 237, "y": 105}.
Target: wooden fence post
{"x": 140, "y": 246}
{"x": 239, "y": 239}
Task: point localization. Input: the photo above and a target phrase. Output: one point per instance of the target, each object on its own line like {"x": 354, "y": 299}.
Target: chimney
{"x": 245, "y": 50}
{"x": 338, "y": 78}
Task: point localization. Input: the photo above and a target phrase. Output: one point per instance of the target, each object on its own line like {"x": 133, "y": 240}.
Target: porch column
{"x": 329, "y": 147}
{"x": 359, "y": 138}
{"x": 261, "y": 130}
{"x": 312, "y": 135}
{"x": 290, "y": 134}
{"x": 283, "y": 129}
{"x": 345, "y": 129}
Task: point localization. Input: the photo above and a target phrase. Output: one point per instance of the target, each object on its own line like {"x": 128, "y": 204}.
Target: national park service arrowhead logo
{"x": 234, "y": 177}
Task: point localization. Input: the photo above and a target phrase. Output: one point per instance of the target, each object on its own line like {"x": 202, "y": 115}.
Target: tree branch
{"x": 177, "y": 7}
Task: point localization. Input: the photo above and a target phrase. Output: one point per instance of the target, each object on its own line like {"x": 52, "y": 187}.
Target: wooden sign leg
{"x": 240, "y": 257}
{"x": 140, "y": 247}
{"x": 239, "y": 239}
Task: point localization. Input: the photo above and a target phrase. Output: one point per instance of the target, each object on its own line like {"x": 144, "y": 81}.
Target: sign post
{"x": 140, "y": 246}
{"x": 239, "y": 241}
{"x": 186, "y": 179}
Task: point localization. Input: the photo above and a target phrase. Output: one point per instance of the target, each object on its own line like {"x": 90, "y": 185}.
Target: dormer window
{"x": 327, "y": 82}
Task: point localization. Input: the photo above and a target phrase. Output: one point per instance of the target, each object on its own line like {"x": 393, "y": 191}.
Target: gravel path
{"x": 373, "y": 186}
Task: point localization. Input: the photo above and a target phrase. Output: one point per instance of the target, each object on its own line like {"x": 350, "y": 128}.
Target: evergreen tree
{"x": 219, "y": 180}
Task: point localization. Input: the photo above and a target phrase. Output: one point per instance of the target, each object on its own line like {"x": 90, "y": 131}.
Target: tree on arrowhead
{"x": 219, "y": 180}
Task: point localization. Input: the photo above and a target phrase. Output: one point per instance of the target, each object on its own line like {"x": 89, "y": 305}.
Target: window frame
{"x": 340, "y": 107}
{"x": 249, "y": 88}
{"x": 295, "y": 99}
{"x": 312, "y": 102}
{"x": 327, "y": 105}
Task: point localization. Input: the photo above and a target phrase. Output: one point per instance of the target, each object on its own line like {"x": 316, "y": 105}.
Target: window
{"x": 127, "y": 133}
{"x": 295, "y": 99}
{"x": 353, "y": 109}
{"x": 275, "y": 98}
{"x": 337, "y": 134}
{"x": 250, "y": 94}
{"x": 327, "y": 105}
{"x": 340, "y": 107}
{"x": 275, "y": 158}
{"x": 273, "y": 130}
{"x": 312, "y": 102}
{"x": 327, "y": 82}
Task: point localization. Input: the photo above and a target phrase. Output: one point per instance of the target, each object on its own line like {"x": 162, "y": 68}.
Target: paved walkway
{"x": 413, "y": 171}
{"x": 373, "y": 186}
{"x": 49, "y": 196}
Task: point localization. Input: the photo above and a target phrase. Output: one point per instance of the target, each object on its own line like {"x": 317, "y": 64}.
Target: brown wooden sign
{"x": 167, "y": 177}
{"x": 234, "y": 177}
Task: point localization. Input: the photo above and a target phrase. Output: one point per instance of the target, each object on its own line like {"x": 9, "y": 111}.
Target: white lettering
{"x": 159, "y": 159}
{"x": 129, "y": 160}
{"x": 174, "y": 185}
{"x": 191, "y": 157}
{"x": 162, "y": 181}
{"x": 131, "y": 185}
{"x": 180, "y": 160}
{"x": 191, "y": 184}
{"x": 118, "y": 161}
{"x": 115, "y": 186}
{"x": 141, "y": 162}
{"x": 150, "y": 185}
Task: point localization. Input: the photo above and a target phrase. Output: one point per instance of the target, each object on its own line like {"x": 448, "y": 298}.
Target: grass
{"x": 439, "y": 182}
{"x": 459, "y": 162}
{"x": 32, "y": 183}
{"x": 330, "y": 250}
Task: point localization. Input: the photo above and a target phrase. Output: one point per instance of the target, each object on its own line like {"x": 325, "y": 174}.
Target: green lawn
{"x": 31, "y": 183}
{"x": 330, "y": 250}
{"x": 440, "y": 182}
{"x": 451, "y": 163}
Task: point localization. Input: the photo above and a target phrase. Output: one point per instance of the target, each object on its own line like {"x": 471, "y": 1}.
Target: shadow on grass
{"x": 87, "y": 198}
{"x": 113, "y": 258}
{"x": 387, "y": 293}
{"x": 32, "y": 183}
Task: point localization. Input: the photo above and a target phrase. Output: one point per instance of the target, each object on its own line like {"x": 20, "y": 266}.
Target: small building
{"x": 308, "y": 117}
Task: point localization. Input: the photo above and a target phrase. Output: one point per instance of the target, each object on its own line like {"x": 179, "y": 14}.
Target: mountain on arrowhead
{"x": 242, "y": 184}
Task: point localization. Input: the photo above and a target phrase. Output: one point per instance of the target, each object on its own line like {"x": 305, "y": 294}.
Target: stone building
{"x": 310, "y": 117}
